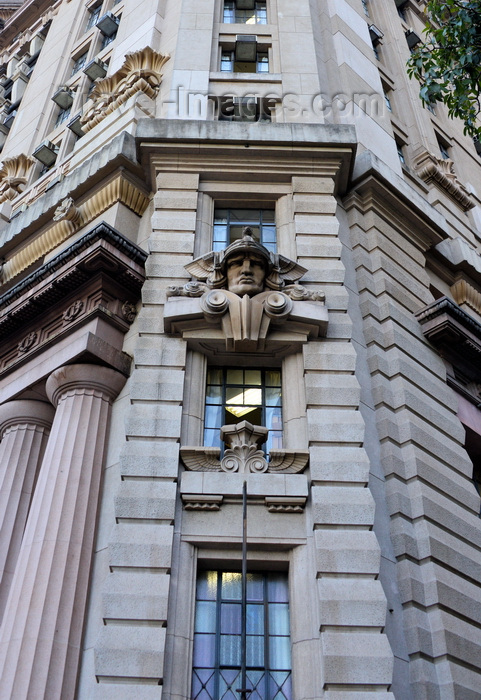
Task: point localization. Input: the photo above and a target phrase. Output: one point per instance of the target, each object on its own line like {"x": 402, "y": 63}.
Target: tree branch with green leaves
{"x": 448, "y": 64}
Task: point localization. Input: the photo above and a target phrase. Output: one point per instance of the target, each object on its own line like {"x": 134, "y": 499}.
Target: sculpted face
{"x": 245, "y": 273}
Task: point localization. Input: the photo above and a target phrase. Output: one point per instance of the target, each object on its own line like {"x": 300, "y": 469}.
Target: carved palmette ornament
{"x": 141, "y": 72}
{"x": 243, "y": 453}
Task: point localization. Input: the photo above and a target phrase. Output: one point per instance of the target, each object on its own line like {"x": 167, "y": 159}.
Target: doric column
{"x": 24, "y": 429}
{"x": 42, "y": 628}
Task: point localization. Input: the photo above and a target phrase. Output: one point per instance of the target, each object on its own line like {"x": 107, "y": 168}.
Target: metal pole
{"x": 243, "y": 690}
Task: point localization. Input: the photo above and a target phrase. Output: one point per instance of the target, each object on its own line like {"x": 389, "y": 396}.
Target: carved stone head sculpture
{"x": 246, "y": 264}
{"x": 245, "y": 267}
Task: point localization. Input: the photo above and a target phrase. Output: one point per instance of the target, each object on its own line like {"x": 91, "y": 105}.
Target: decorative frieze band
{"x": 68, "y": 218}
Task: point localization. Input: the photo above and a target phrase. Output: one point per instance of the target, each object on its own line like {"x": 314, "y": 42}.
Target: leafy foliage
{"x": 448, "y": 65}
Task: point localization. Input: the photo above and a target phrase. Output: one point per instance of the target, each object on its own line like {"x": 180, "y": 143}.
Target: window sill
{"x": 226, "y": 77}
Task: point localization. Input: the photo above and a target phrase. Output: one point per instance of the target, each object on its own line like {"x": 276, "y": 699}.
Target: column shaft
{"x": 42, "y": 628}
{"x": 24, "y": 429}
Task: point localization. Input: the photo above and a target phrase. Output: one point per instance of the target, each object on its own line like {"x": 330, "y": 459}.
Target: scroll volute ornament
{"x": 141, "y": 72}
{"x": 13, "y": 176}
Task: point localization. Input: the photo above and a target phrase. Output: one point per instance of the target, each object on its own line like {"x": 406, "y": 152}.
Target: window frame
{"x": 264, "y": 227}
{"x": 275, "y": 437}
{"x": 259, "y": 13}
{"x": 218, "y": 602}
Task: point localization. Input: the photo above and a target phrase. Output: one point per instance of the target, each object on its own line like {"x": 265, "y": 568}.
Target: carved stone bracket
{"x": 141, "y": 72}
{"x": 243, "y": 453}
{"x": 13, "y": 176}
{"x": 245, "y": 299}
{"x": 91, "y": 285}
{"x": 220, "y": 320}
{"x": 430, "y": 168}
{"x": 67, "y": 211}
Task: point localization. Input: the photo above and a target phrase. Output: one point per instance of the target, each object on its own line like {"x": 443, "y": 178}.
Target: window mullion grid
{"x": 218, "y": 610}
{"x": 267, "y": 661}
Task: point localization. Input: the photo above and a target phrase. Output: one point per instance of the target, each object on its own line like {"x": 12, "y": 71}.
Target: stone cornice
{"x": 376, "y": 187}
{"x": 80, "y": 184}
{"x": 98, "y": 277}
{"x": 430, "y": 168}
{"x": 25, "y": 14}
{"x": 455, "y": 333}
{"x": 259, "y": 150}
{"x": 458, "y": 255}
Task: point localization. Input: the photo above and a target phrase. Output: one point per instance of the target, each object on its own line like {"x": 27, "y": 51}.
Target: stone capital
{"x": 24, "y": 411}
{"x": 83, "y": 378}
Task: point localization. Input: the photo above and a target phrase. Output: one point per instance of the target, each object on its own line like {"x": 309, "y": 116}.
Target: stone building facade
{"x": 141, "y": 140}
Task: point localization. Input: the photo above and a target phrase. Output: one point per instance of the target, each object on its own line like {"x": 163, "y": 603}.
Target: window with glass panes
{"x": 228, "y": 64}
{"x": 230, "y": 223}
{"x": 233, "y": 15}
{"x": 217, "y": 636}
{"x": 237, "y": 394}
{"x": 94, "y": 14}
{"x": 79, "y": 63}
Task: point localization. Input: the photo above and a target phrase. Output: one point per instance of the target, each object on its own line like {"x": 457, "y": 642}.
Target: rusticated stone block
{"x": 147, "y": 458}
{"x": 145, "y": 500}
{"x": 152, "y": 352}
{"x": 128, "y": 651}
{"x": 154, "y": 420}
{"x": 333, "y": 505}
{"x": 330, "y": 356}
{"x": 357, "y": 659}
{"x": 141, "y": 546}
{"x": 351, "y": 602}
{"x": 331, "y": 425}
{"x": 343, "y": 464}
{"x": 332, "y": 390}
{"x": 138, "y": 596}
{"x": 157, "y": 385}
{"x": 341, "y": 552}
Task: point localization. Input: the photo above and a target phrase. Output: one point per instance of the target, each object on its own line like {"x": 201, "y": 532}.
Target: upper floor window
{"x": 365, "y": 7}
{"x": 94, "y": 14}
{"x": 244, "y": 12}
{"x": 79, "y": 63}
{"x": 236, "y": 394}
{"x": 230, "y": 223}
{"x": 444, "y": 150}
{"x": 400, "y": 152}
{"x": 62, "y": 116}
{"x": 217, "y": 636}
{"x": 246, "y": 57}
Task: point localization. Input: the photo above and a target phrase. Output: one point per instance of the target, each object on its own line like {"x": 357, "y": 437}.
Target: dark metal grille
{"x": 217, "y": 640}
